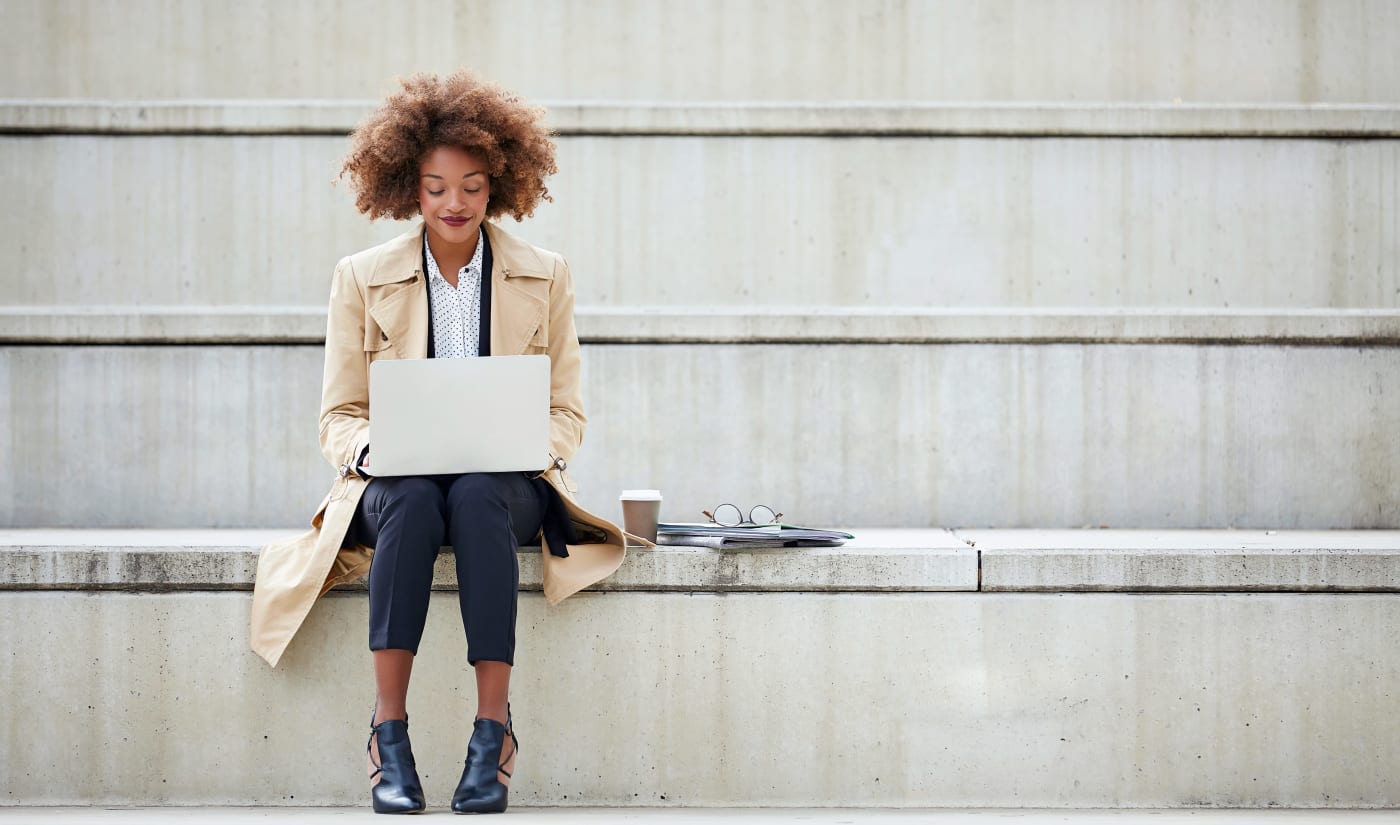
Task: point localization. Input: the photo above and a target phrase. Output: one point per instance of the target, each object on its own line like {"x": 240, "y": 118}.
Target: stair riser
{"x": 754, "y": 699}
{"x": 1228, "y": 50}
{"x": 748, "y": 221}
{"x": 1057, "y": 435}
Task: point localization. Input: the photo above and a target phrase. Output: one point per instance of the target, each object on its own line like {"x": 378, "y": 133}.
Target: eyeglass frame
{"x": 776, "y": 516}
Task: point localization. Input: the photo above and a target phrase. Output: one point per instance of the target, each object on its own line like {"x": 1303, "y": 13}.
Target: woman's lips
{"x": 455, "y": 221}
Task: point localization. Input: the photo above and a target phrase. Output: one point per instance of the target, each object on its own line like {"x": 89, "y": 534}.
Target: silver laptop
{"x": 459, "y": 415}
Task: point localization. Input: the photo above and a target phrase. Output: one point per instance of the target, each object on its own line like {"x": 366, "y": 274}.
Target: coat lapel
{"x": 397, "y": 297}
{"x": 520, "y": 284}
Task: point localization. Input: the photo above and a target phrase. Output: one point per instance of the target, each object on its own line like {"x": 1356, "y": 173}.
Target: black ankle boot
{"x": 480, "y": 792}
{"x": 398, "y": 791}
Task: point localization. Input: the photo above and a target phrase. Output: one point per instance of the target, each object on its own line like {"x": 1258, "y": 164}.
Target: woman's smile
{"x": 454, "y": 190}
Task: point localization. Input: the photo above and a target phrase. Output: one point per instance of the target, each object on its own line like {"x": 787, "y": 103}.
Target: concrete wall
{"x": 1074, "y": 207}
{"x": 1040, "y": 435}
{"x": 642, "y": 697}
{"x": 960, "y": 699}
{"x": 747, "y": 221}
{"x": 1224, "y": 50}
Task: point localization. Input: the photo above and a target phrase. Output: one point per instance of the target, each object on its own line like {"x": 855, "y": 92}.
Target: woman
{"x": 456, "y": 152}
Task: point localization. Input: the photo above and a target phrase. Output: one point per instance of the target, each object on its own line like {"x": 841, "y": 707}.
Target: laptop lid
{"x": 459, "y": 415}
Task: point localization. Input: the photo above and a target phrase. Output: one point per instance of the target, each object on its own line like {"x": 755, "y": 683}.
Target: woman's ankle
{"x": 386, "y": 713}
{"x": 496, "y": 713}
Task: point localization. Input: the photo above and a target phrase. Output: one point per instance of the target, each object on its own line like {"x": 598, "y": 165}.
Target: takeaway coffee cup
{"x": 641, "y": 510}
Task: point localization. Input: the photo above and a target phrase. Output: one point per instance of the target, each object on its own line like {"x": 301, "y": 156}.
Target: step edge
{"x": 650, "y": 324}
{"x": 648, "y": 118}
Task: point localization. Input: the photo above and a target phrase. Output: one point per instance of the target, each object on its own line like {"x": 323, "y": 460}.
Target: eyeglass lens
{"x": 762, "y": 514}
{"x": 727, "y": 515}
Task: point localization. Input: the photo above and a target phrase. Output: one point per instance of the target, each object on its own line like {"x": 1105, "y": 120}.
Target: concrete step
{"x": 1233, "y": 50}
{"x": 137, "y": 671}
{"x": 886, "y": 434}
{"x": 731, "y": 118}
{"x": 882, "y": 559}
{"x": 863, "y": 221}
{"x": 736, "y": 816}
{"x": 879, "y": 559}
{"x": 265, "y": 325}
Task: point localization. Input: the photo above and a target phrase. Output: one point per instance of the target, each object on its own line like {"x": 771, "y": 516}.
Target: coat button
{"x": 382, "y": 336}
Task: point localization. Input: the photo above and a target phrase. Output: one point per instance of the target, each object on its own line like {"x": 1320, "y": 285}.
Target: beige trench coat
{"x": 379, "y": 309}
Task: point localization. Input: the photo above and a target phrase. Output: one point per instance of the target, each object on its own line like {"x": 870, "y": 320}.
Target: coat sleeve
{"x": 345, "y": 380}
{"x": 566, "y": 417}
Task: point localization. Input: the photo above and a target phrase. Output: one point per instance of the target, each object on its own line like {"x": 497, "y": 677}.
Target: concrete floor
{"x": 731, "y": 816}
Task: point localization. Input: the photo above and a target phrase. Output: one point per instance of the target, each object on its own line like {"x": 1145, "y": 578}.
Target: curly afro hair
{"x": 460, "y": 110}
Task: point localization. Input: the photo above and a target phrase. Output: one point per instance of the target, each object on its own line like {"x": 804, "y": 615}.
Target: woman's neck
{"x": 450, "y": 255}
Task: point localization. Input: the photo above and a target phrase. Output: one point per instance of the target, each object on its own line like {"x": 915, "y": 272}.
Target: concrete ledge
{"x": 653, "y": 118}
{"x": 723, "y": 325}
{"x": 890, "y": 560}
{"x": 1187, "y": 560}
{"x": 180, "y": 560}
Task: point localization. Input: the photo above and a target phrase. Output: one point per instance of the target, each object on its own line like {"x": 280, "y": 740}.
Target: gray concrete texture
{"x": 948, "y": 699}
{"x": 174, "y": 324}
{"x": 878, "y": 560}
{"x": 733, "y": 118}
{"x": 1194, "y": 560}
{"x": 733, "y": 816}
{"x": 959, "y": 222}
{"x": 975, "y": 435}
{"x": 1147, "y": 50}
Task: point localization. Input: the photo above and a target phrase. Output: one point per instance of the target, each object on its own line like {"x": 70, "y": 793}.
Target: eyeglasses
{"x": 727, "y": 515}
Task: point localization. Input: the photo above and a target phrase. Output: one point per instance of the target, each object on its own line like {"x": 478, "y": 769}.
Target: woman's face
{"x": 453, "y": 188}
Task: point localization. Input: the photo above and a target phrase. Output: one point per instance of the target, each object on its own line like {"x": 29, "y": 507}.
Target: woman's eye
{"x": 431, "y": 192}
{"x": 473, "y": 191}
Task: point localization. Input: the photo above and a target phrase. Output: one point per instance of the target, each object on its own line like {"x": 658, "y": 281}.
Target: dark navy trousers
{"x": 408, "y": 519}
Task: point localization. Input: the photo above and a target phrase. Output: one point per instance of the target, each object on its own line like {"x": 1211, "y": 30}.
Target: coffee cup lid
{"x": 640, "y": 495}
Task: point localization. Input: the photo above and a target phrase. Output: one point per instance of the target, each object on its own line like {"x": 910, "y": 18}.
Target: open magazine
{"x": 748, "y": 535}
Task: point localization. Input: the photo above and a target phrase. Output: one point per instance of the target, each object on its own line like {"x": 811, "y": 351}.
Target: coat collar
{"x": 520, "y": 283}
{"x": 401, "y": 258}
